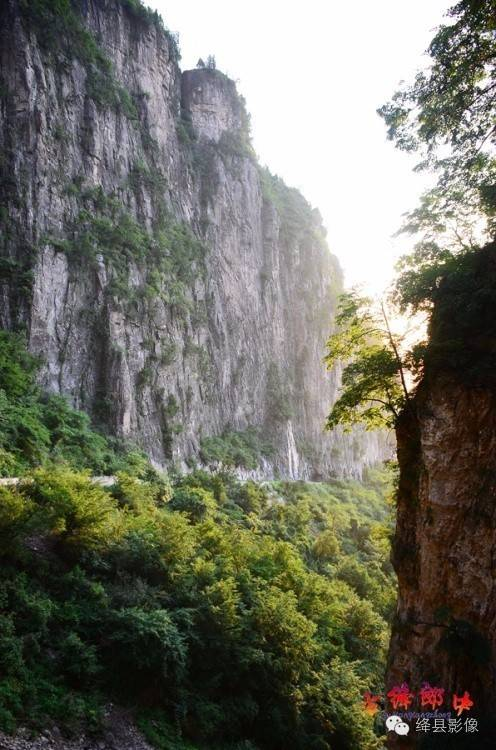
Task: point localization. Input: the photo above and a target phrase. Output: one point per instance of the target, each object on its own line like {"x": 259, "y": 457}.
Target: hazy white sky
{"x": 313, "y": 74}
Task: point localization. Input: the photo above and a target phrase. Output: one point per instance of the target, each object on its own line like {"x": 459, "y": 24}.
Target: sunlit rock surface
{"x": 161, "y": 365}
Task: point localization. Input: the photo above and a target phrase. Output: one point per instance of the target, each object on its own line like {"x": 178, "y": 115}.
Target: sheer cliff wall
{"x": 173, "y": 288}
{"x": 444, "y": 549}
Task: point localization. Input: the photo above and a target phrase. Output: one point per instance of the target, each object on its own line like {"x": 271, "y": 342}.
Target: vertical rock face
{"x": 444, "y": 551}
{"x": 212, "y": 102}
{"x": 173, "y": 289}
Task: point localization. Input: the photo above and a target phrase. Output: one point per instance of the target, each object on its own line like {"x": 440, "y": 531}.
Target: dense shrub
{"x": 226, "y": 611}
{"x": 36, "y": 428}
{"x": 243, "y": 449}
{"x": 196, "y": 502}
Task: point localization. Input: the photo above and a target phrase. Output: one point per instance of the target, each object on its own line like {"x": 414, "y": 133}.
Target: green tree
{"x": 374, "y": 388}
{"x": 447, "y": 115}
{"x": 73, "y": 507}
{"x": 196, "y": 502}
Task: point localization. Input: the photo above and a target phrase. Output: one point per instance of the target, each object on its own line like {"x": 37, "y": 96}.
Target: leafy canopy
{"x": 372, "y": 389}
{"x": 225, "y": 622}
{"x": 447, "y": 115}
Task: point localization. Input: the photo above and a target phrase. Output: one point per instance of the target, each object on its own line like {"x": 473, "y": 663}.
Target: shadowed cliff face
{"x": 173, "y": 289}
{"x": 444, "y": 550}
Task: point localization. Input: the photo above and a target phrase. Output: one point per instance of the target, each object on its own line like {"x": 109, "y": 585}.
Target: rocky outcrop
{"x": 173, "y": 288}
{"x": 444, "y": 550}
{"x": 118, "y": 732}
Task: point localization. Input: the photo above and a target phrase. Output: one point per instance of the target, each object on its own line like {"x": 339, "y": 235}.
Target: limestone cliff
{"x": 174, "y": 289}
{"x": 444, "y": 550}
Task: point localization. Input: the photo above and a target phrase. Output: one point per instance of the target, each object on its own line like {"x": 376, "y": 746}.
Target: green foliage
{"x": 196, "y": 502}
{"x": 147, "y": 16}
{"x": 141, "y": 175}
{"x": 243, "y": 449}
{"x": 170, "y": 257}
{"x": 208, "y": 606}
{"x": 326, "y": 546}
{"x": 251, "y": 497}
{"x": 161, "y": 733}
{"x": 297, "y": 217}
{"x": 168, "y": 353}
{"x": 107, "y": 94}
{"x": 421, "y": 273}
{"x": 447, "y": 114}
{"x": 371, "y": 389}
{"x": 236, "y": 143}
{"x": 184, "y": 129}
{"x": 61, "y": 31}
{"x": 17, "y": 366}
{"x": 36, "y": 428}
{"x": 72, "y": 508}
{"x": 462, "y": 326}
{"x": 15, "y": 516}
{"x": 53, "y": 21}
{"x": 457, "y": 293}
{"x": 142, "y": 12}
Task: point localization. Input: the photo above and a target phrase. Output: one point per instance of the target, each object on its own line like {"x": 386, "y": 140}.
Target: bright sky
{"x": 313, "y": 75}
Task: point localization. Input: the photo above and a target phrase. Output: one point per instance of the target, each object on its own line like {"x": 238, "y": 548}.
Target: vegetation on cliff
{"x": 59, "y": 28}
{"x": 36, "y": 428}
{"x": 168, "y": 256}
{"x": 245, "y": 449}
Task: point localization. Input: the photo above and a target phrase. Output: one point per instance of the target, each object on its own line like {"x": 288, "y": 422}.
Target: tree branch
{"x": 396, "y": 354}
